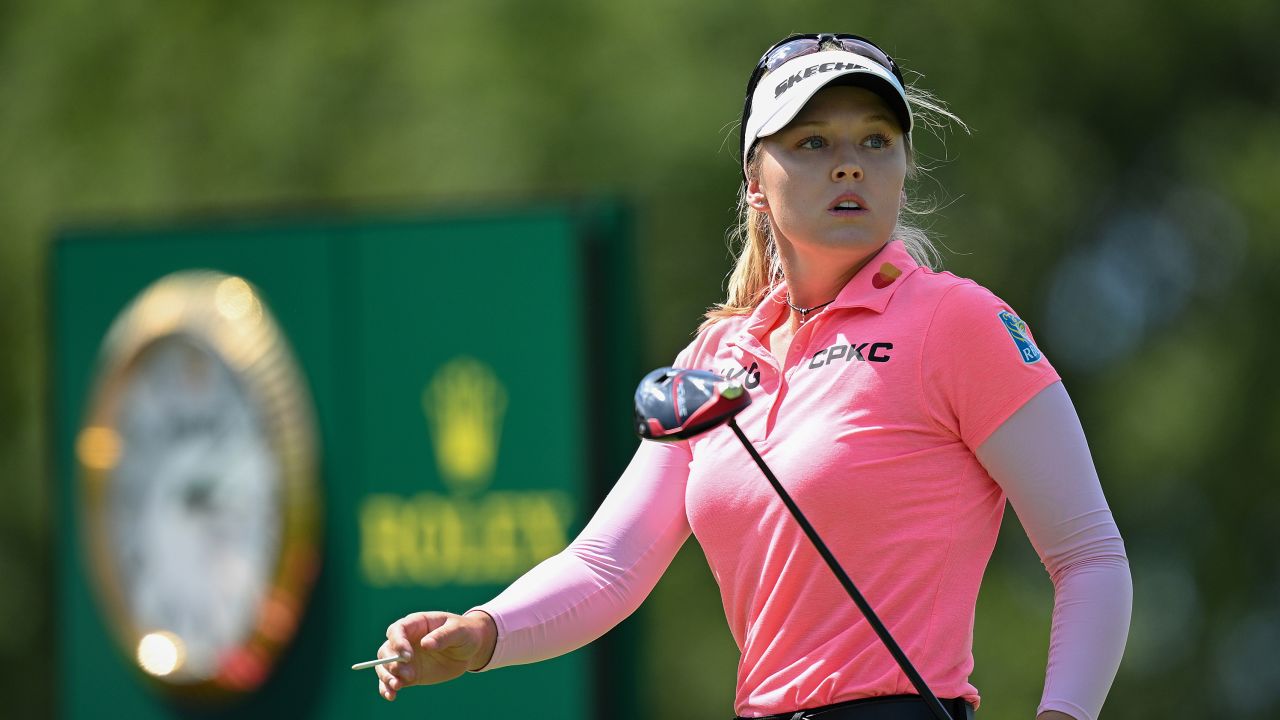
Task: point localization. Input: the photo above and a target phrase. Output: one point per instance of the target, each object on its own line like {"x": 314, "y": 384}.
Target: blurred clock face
{"x": 199, "y": 485}
{"x": 194, "y": 514}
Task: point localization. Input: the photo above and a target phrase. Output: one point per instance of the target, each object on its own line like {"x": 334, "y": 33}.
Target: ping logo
{"x": 1021, "y": 335}
{"x": 752, "y": 379}
{"x": 465, "y": 403}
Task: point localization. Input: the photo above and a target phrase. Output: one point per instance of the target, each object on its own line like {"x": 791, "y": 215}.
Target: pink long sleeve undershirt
{"x": 1041, "y": 460}
{"x": 1039, "y": 457}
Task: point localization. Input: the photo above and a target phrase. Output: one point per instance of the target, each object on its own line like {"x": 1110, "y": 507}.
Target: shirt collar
{"x": 878, "y": 280}
{"x": 870, "y": 288}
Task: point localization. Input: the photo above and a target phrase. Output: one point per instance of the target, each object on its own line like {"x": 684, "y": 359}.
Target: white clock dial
{"x": 195, "y": 521}
{"x": 199, "y": 484}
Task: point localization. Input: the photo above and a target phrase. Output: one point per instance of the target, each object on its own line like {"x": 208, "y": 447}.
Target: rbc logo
{"x": 1021, "y": 337}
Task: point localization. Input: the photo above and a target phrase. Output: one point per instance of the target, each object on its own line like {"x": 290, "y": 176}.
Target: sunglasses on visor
{"x": 806, "y": 44}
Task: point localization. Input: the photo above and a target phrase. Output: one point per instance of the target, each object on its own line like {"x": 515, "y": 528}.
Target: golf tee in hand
{"x": 439, "y": 646}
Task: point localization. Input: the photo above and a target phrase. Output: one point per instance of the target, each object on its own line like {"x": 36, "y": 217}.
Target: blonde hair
{"x": 757, "y": 268}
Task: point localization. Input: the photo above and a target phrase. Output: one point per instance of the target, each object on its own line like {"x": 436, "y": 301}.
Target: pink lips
{"x": 835, "y": 209}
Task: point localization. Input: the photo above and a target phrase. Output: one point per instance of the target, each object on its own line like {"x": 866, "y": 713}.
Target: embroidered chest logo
{"x": 1021, "y": 337}
{"x": 883, "y": 279}
{"x": 752, "y": 379}
{"x": 864, "y": 352}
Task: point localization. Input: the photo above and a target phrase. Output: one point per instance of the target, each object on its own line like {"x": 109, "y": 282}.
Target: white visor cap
{"x": 780, "y": 95}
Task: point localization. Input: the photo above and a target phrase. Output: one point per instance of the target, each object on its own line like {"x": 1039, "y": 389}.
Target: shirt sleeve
{"x": 1040, "y": 458}
{"x": 574, "y": 597}
{"x": 980, "y": 363}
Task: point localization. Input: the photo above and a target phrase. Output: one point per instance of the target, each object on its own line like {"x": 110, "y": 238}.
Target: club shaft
{"x": 921, "y": 687}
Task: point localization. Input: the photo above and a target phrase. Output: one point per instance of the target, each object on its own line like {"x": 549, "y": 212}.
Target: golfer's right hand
{"x": 440, "y": 646}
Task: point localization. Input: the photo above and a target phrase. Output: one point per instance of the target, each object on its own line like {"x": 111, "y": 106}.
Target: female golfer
{"x": 900, "y": 405}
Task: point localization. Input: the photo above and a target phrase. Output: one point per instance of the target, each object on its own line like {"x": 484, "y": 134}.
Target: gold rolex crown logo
{"x": 465, "y": 404}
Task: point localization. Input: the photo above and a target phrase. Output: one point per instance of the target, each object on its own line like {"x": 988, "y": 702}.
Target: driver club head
{"x": 675, "y": 404}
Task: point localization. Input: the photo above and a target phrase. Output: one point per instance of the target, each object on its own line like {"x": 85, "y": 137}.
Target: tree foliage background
{"x": 1118, "y": 188}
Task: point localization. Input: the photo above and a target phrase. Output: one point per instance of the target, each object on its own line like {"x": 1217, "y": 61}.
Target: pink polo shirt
{"x": 871, "y": 424}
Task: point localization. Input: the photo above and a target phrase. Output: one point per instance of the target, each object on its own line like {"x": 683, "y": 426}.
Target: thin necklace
{"x": 804, "y": 312}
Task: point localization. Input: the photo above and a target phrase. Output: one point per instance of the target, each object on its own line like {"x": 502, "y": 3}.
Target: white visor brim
{"x": 781, "y": 94}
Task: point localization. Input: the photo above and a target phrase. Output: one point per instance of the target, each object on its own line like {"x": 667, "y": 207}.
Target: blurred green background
{"x": 1118, "y": 189}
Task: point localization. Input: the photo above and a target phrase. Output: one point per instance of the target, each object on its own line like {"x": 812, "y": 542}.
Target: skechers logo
{"x": 866, "y": 352}
{"x": 752, "y": 379}
{"x": 810, "y": 71}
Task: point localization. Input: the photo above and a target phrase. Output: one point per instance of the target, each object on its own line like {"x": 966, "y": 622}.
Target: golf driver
{"x": 675, "y": 404}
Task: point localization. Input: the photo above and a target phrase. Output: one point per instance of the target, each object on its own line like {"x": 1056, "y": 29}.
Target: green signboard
{"x": 273, "y": 439}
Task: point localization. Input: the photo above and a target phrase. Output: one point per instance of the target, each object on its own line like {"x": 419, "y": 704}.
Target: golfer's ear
{"x": 756, "y": 198}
